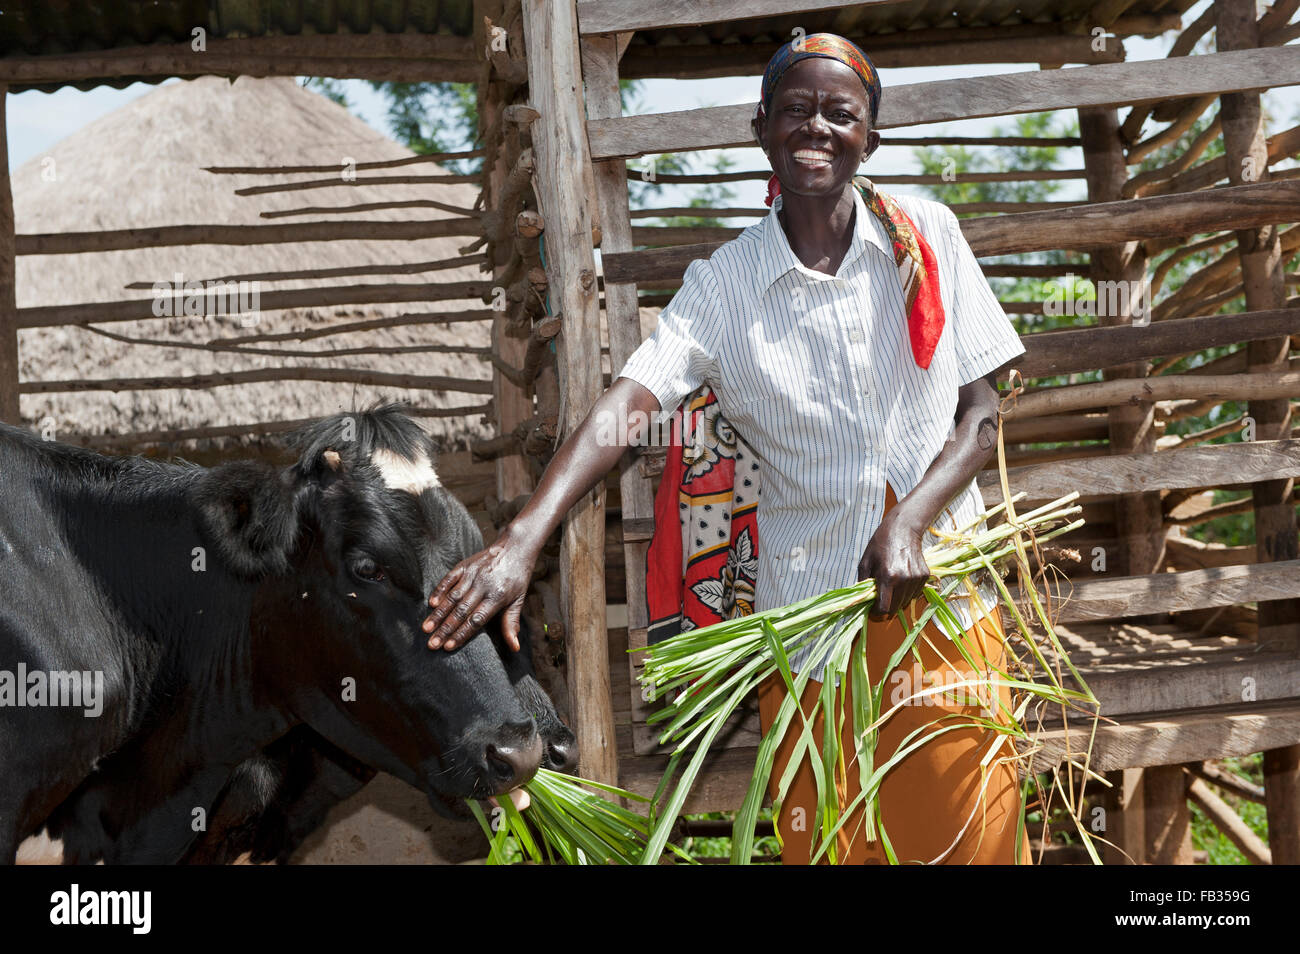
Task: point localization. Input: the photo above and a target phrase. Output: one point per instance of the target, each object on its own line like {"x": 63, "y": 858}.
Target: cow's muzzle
{"x": 512, "y": 757}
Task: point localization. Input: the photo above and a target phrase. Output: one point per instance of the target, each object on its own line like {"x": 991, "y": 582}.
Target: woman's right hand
{"x": 497, "y": 578}
{"x": 476, "y": 589}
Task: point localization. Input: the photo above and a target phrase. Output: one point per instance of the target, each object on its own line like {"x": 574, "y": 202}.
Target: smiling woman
{"x": 822, "y": 332}
{"x": 905, "y": 416}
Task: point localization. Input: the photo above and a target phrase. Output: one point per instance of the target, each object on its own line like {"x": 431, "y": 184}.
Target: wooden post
{"x": 600, "y": 57}
{"x": 564, "y": 185}
{"x": 1275, "y": 519}
{"x": 1138, "y": 519}
{"x": 1137, "y": 516}
{"x": 1168, "y": 818}
{"x": 1125, "y": 817}
{"x": 511, "y": 403}
{"x": 8, "y": 302}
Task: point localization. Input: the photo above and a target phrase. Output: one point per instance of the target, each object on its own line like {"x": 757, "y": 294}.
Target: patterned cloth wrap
{"x": 702, "y": 563}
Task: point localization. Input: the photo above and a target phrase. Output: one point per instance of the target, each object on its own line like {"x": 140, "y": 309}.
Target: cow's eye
{"x": 367, "y": 569}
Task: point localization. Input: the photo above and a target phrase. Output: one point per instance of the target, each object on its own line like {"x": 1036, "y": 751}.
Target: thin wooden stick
{"x": 367, "y": 207}
{"x": 259, "y": 375}
{"x": 337, "y": 182}
{"x": 395, "y": 268}
{"x": 360, "y": 166}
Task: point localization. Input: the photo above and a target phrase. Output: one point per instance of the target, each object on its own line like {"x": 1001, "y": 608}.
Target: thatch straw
{"x": 143, "y": 165}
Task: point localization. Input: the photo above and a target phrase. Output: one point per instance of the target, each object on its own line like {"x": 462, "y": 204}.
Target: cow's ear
{"x": 248, "y": 514}
{"x": 321, "y": 468}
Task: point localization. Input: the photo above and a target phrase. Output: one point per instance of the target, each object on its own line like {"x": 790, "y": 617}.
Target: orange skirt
{"x": 934, "y": 792}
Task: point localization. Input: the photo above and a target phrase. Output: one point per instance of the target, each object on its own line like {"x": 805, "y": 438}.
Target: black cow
{"x": 224, "y": 607}
{"x": 278, "y": 799}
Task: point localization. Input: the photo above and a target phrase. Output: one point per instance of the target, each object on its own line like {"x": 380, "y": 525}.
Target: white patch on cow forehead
{"x": 400, "y": 473}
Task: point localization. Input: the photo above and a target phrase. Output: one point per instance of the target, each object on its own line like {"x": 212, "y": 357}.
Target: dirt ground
{"x": 386, "y": 823}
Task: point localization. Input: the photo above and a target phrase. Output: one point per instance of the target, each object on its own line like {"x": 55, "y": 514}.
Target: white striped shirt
{"x": 816, "y": 373}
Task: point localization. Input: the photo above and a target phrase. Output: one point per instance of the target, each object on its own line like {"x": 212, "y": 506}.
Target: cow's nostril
{"x": 562, "y": 755}
{"x": 510, "y": 765}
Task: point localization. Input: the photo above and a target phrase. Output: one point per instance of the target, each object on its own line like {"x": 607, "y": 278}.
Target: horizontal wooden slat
{"x": 1107, "y": 84}
{"x": 112, "y": 240}
{"x": 1171, "y": 592}
{"x": 230, "y": 303}
{"x": 259, "y": 375}
{"x": 1083, "y": 349}
{"x": 618, "y": 16}
{"x": 1213, "y": 465}
{"x": 1168, "y": 686}
{"x": 1081, "y": 227}
{"x": 1186, "y": 737}
{"x": 1210, "y": 388}
{"x": 1167, "y": 740}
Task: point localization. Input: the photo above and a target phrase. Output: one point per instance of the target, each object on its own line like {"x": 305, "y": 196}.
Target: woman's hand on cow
{"x": 894, "y": 559}
{"x": 494, "y": 580}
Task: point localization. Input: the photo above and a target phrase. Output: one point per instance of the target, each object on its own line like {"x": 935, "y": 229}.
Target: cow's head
{"x": 349, "y": 541}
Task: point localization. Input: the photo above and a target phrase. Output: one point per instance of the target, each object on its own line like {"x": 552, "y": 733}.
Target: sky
{"x": 36, "y": 120}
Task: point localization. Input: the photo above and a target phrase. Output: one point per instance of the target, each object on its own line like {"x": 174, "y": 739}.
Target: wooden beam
{"x": 1170, "y": 739}
{"x": 1170, "y": 592}
{"x": 8, "y": 302}
{"x": 1082, "y": 349}
{"x": 565, "y": 185}
{"x": 702, "y": 61}
{"x": 1212, "y": 465}
{"x": 1080, "y": 228}
{"x": 1169, "y": 684}
{"x": 1218, "y": 387}
{"x": 1110, "y": 84}
{"x": 617, "y": 16}
{"x": 1225, "y": 732}
{"x": 1124, "y": 220}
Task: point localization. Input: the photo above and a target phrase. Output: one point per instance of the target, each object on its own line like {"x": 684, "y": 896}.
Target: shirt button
{"x": 856, "y": 336}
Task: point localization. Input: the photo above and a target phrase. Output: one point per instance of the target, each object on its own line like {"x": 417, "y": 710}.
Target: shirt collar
{"x": 778, "y": 258}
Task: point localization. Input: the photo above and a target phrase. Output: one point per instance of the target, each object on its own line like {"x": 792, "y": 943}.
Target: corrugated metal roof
{"x": 33, "y": 27}
{"x": 41, "y": 27}
{"x": 893, "y": 20}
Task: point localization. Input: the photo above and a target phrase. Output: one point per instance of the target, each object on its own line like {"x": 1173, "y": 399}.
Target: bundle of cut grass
{"x": 572, "y": 825}
{"x": 708, "y": 672}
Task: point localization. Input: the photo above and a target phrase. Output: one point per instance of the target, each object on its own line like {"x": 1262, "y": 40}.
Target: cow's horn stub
{"x": 332, "y": 459}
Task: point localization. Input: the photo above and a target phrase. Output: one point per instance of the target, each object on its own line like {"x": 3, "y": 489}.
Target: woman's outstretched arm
{"x": 497, "y": 578}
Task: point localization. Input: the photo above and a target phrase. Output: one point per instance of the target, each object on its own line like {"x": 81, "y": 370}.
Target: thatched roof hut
{"x": 143, "y": 165}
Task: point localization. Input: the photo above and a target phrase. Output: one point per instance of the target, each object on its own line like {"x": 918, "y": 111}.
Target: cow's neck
{"x": 182, "y": 618}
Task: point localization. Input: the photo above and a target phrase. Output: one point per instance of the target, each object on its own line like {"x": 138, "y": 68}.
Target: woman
{"x": 855, "y": 344}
